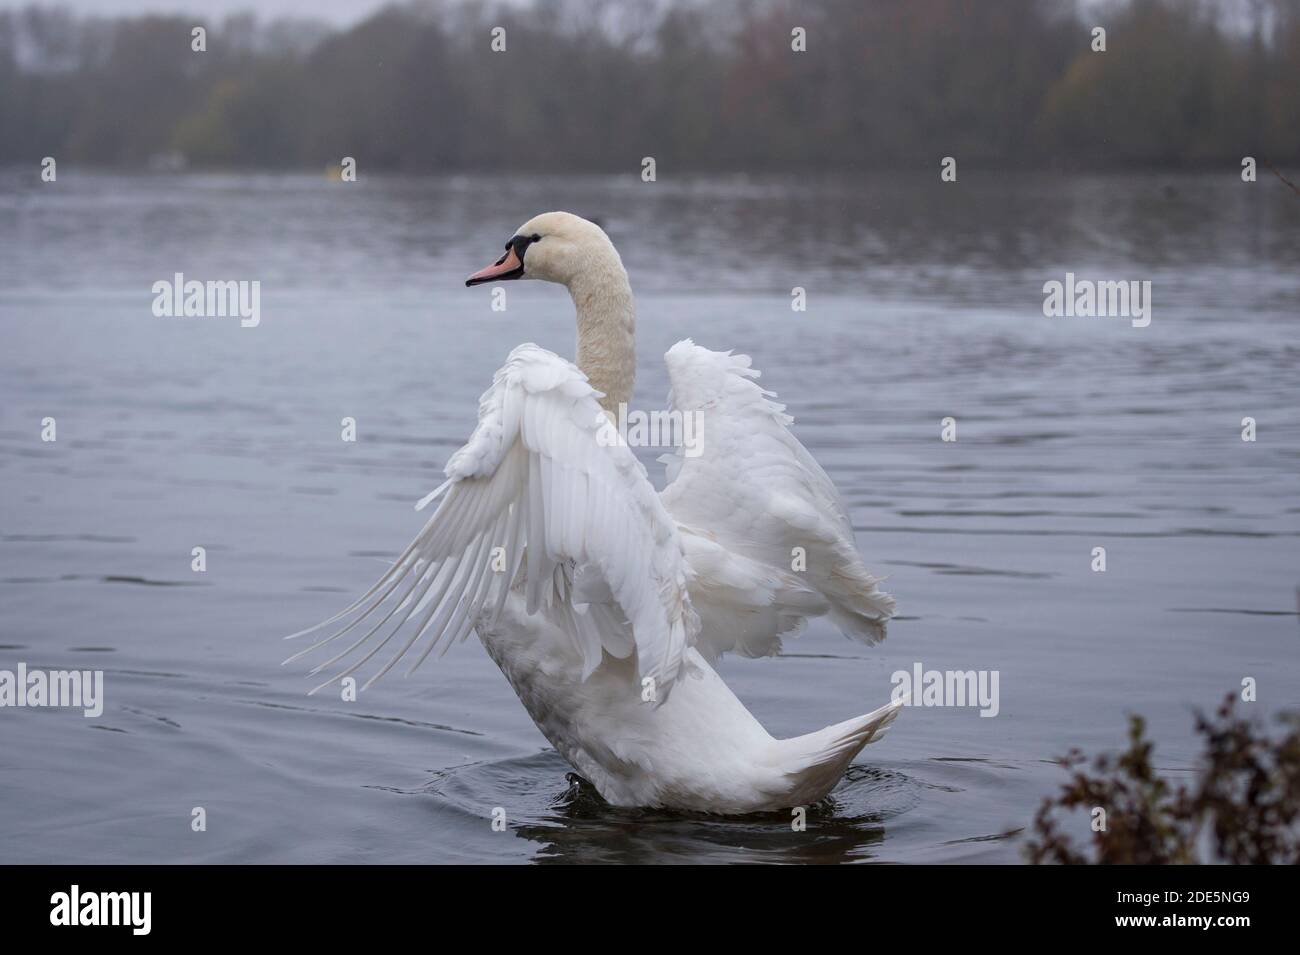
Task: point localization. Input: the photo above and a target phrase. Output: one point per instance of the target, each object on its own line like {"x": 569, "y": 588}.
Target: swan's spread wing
{"x": 765, "y": 533}
{"x": 543, "y": 487}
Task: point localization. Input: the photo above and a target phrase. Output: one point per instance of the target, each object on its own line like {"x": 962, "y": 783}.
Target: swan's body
{"x": 603, "y": 602}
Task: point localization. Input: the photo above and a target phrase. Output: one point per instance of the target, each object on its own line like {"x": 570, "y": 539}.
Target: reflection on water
{"x": 923, "y": 303}
{"x": 574, "y": 824}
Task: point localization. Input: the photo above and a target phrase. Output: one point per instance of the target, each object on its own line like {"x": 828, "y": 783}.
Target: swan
{"x": 605, "y": 603}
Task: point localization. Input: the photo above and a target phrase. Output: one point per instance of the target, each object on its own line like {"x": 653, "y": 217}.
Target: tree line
{"x": 596, "y": 85}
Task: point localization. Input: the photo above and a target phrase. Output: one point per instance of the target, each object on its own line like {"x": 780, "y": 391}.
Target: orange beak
{"x": 508, "y": 266}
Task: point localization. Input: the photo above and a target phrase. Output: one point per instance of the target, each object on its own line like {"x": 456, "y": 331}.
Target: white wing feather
{"x": 545, "y": 477}
{"x": 743, "y": 504}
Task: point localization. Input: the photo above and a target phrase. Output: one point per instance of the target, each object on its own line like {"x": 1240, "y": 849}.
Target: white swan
{"x": 603, "y": 602}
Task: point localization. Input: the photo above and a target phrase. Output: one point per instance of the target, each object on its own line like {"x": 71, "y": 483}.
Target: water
{"x": 924, "y": 301}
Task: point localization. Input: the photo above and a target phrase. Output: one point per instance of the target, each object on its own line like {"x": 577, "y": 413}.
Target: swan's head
{"x": 553, "y": 247}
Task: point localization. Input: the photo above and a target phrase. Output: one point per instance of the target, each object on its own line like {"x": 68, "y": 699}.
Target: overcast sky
{"x": 338, "y": 12}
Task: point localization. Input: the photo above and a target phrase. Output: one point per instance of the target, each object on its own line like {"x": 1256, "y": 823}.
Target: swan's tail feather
{"x": 815, "y": 762}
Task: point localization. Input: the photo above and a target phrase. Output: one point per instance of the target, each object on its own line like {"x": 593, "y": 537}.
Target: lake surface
{"x": 924, "y": 301}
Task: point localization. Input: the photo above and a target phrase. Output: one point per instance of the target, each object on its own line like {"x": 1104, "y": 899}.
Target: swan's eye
{"x": 520, "y": 243}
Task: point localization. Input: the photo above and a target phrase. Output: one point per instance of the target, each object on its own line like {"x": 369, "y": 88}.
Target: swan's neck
{"x": 606, "y": 331}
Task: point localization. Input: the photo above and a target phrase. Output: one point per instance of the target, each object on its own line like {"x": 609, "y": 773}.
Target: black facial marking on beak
{"x": 515, "y": 250}
{"x": 520, "y": 243}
